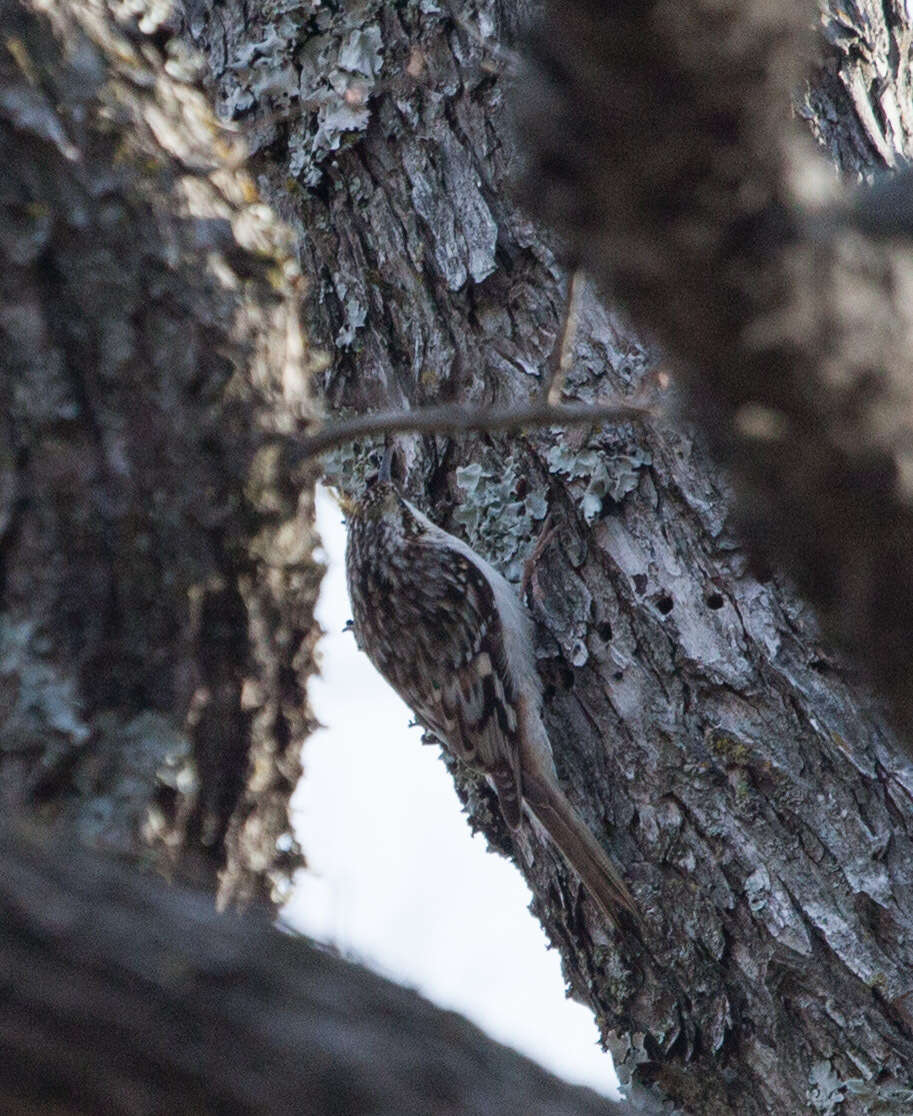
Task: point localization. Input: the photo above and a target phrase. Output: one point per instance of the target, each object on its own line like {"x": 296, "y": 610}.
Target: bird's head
{"x": 381, "y": 499}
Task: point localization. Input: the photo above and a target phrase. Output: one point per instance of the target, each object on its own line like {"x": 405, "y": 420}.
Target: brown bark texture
{"x": 724, "y": 753}
{"x": 156, "y": 580}
{"x": 121, "y": 995}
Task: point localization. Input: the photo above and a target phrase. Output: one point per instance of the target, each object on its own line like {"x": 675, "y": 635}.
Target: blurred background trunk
{"x": 123, "y": 995}
{"x": 157, "y": 584}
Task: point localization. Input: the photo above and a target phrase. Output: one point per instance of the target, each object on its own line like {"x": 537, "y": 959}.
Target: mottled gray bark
{"x": 760, "y": 806}
{"x": 140, "y": 999}
{"x": 156, "y": 583}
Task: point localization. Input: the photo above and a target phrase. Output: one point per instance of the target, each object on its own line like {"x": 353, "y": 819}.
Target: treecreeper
{"x": 451, "y": 636}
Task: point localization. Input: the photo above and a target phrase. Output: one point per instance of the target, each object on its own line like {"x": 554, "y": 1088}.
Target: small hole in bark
{"x": 762, "y": 572}
{"x": 604, "y": 630}
{"x": 610, "y": 506}
{"x": 665, "y": 604}
{"x": 714, "y": 600}
{"x": 618, "y": 675}
{"x": 640, "y": 583}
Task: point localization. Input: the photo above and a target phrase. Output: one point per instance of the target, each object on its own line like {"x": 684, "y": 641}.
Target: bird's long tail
{"x": 580, "y": 848}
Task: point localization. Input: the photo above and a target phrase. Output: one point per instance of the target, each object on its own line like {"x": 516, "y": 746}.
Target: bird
{"x": 451, "y": 636}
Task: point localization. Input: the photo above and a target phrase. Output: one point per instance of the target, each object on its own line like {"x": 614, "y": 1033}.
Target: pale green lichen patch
{"x": 322, "y": 60}
{"x": 607, "y": 473}
{"x": 825, "y": 1091}
{"x": 498, "y": 521}
{"x": 346, "y": 467}
{"x": 628, "y": 1052}
{"x": 886, "y": 1100}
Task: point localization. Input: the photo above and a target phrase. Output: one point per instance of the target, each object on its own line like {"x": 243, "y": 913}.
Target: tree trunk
{"x": 121, "y": 995}
{"x": 157, "y": 590}
{"x": 756, "y": 798}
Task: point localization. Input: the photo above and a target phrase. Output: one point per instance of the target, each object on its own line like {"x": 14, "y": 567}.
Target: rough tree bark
{"x": 760, "y": 805}
{"x": 157, "y": 588}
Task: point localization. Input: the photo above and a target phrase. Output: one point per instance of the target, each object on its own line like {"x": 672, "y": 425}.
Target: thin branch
{"x": 564, "y": 352}
{"x": 453, "y": 418}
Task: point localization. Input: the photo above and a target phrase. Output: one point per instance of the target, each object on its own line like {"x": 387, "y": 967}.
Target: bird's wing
{"x": 469, "y": 704}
